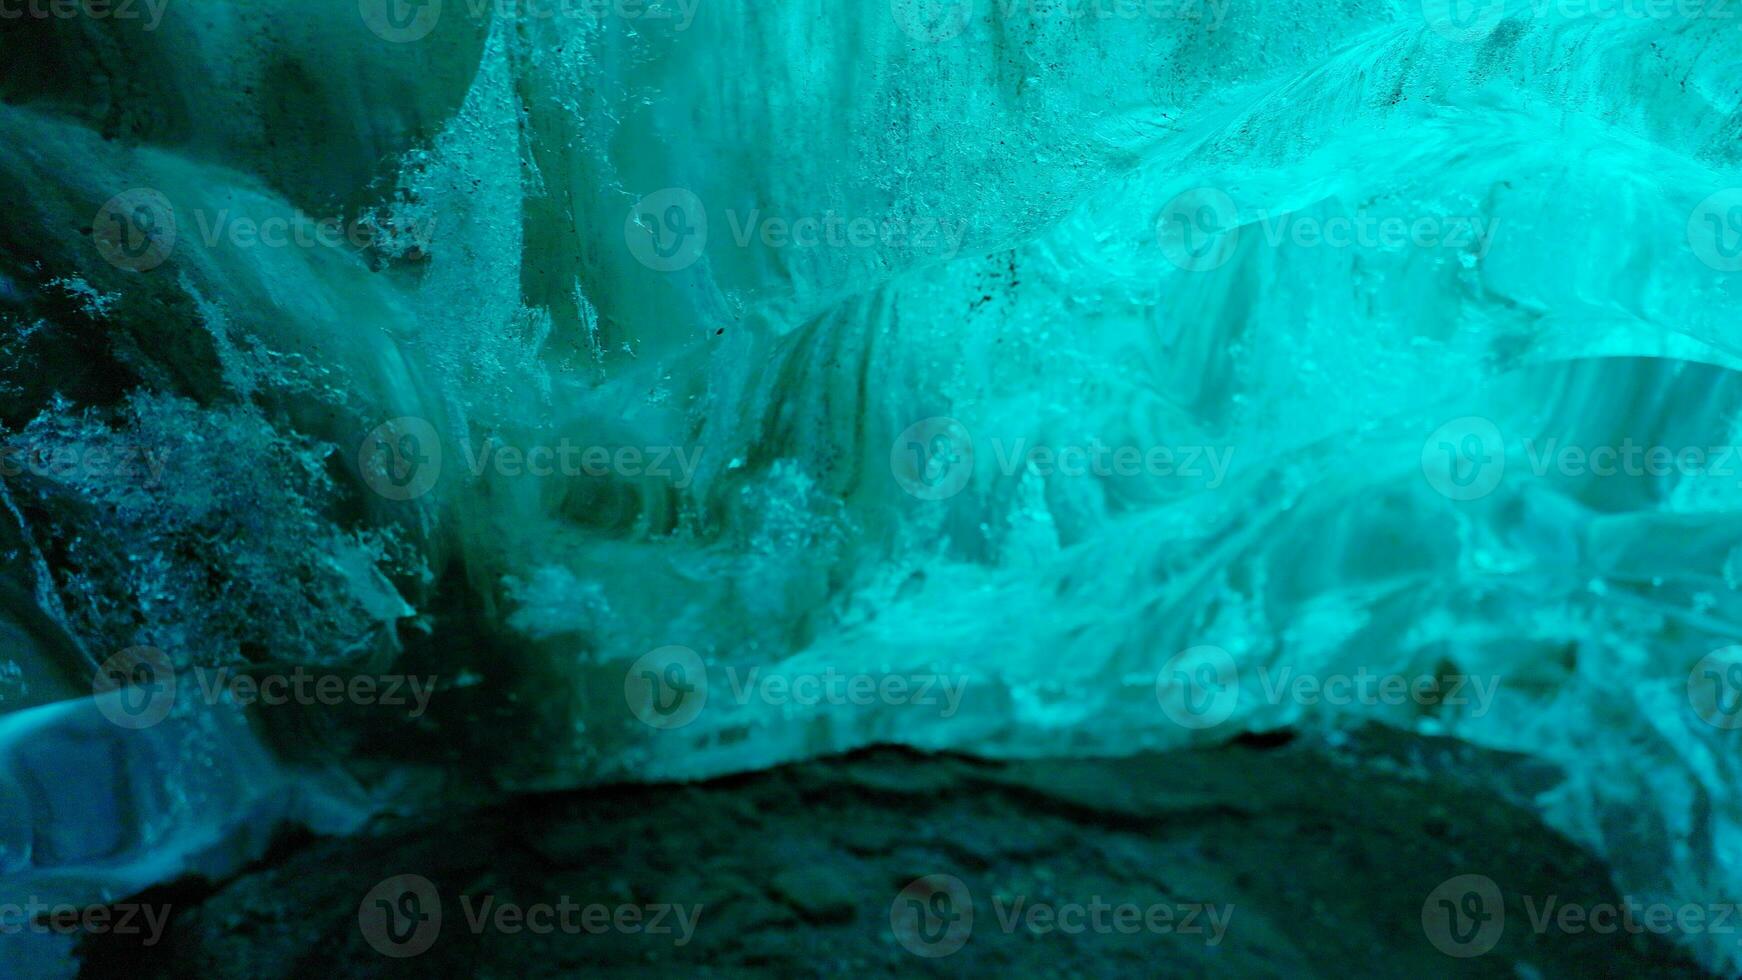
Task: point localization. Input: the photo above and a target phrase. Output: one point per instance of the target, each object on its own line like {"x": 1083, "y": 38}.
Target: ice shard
{"x": 670, "y": 390}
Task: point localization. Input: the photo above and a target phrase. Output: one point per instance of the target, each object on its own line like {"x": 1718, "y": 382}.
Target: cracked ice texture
{"x": 1170, "y": 230}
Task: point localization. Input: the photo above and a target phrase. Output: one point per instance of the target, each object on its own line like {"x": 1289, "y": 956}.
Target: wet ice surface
{"x": 1103, "y": 371}
{"x": 95, "y": 811}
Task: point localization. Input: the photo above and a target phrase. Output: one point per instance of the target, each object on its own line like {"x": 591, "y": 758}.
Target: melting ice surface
{"x": 1108, "y": 373}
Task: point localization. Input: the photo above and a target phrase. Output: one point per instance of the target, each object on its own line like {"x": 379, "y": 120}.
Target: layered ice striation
{"x": 696, "y": 387}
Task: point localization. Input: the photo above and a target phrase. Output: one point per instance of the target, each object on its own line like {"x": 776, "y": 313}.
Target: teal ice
{"x": 1105, "y": 367}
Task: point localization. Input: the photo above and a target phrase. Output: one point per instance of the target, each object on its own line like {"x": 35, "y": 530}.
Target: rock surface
{"x": 1316, "y": 859}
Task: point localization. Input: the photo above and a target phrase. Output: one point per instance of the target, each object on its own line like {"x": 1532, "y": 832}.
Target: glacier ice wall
{"x": 1370, "y": 266}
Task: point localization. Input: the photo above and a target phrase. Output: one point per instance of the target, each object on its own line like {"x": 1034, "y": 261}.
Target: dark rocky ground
{"x": 1326, "y": 855}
